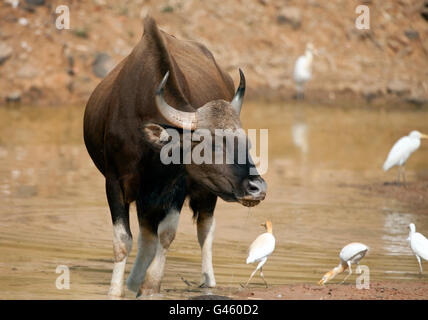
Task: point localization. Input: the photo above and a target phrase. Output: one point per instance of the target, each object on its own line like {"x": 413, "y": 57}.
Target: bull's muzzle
{"x": 255, "y": 191}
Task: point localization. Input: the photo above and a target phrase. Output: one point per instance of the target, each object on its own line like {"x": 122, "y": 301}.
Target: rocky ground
{"x": 40, "y": 64}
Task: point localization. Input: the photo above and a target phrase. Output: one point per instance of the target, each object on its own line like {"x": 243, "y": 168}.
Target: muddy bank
{"x": 379, "y": 290}
{"x": 413, "y": 193}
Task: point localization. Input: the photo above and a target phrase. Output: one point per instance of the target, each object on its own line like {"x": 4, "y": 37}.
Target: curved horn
{"x": 239, "y": 95}
{"x": 180, "y": 119}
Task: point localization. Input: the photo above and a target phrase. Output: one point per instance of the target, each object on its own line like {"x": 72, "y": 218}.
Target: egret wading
{"x": 418, "y": 244}
{"x": 261, "y": 249}
{"x": 303, "y": 70}
{"x": 350, "y": 254}
{"x": 402, "y": 150}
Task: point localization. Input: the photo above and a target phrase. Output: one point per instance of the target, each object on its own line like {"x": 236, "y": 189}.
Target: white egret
{"x": 299, "y": 132}
{"x": 261, "y": 249}
{"x": 351, "y": 253}
{"x": 418, "y": 244}
{"x": 303, "y": 69}
{"x": 402, "y": 150}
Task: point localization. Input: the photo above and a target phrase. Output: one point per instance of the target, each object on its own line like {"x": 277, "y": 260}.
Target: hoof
{"x": 148, "y": 288}
{"x": 207, "y": 285}
{"x": 116, "y": 291}
{"x": 132, "y": 285}
{"x": 147, "y": 293}
{"x": 207, "y": 281}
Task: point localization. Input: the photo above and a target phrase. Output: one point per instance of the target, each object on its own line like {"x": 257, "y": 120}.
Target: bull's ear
{"x": 156, "y": 136}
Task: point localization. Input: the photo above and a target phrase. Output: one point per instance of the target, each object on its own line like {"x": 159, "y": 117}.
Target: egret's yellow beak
{"x": 263, "y": 224}
{"x": 326, "y": 277}
{"x": 424, "y": 136}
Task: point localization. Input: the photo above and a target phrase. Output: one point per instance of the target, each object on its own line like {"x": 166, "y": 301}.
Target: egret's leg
{"x": 398, "y": 176}
{"x": 420, "y": 264}
{"x": 404, "y": 175}
{"x": 300, "y": 95}
{"x": 261, "y": 274}
{"x": 259, "y": 266}
{"x": 350, "y": 271}
{"x": 358, "y": 269}
{"x": 249, "y": 279}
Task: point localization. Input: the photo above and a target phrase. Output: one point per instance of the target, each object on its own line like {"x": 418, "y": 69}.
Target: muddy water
{"x": 53, "y": 209}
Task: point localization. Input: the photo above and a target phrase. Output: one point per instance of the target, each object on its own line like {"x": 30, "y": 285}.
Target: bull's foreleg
{"x": 206, "y": 227}
{"x": 148, "y": 269}
{"x": 122, "y": 237}
{"x": 147, "y": 247}
{"x": 203, "y": 205}
{"x": 166, "y": 233}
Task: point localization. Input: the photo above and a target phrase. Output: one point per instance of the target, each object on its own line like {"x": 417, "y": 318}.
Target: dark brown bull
{"x": 124, "y": 119}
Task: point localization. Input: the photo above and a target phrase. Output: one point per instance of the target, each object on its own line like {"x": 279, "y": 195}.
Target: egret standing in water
{"x": 303, "y": 70}
{"x": 418, "y": 244}
{"x": 261, "y": 249}
{"x": 402, "y": 150}
{"x": 351, "y": 253}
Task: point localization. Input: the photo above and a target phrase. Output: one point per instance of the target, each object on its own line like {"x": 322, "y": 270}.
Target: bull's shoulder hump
{"x": 202, "y": 48}
{"x": 187, "y": 60}
{"x": 150, "y": 26}
{"x": 153, "y": 35}
{"x": 154, "y": 49}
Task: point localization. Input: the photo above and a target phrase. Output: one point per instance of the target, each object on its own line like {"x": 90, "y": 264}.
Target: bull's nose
{"x": 256, "y": 188}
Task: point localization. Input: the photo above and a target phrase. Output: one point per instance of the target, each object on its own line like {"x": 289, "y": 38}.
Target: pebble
{"x": 14, "y": 97}
{"x": 35, "y": 2}
{"x": 23, "y": 22}
{"x": 291, "y": 16}
{"x": 5, "y": 52}
{"x": 102, "y": 64}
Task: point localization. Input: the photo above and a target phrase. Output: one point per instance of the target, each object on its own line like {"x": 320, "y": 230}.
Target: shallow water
{"x": 53, "y": 209}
